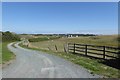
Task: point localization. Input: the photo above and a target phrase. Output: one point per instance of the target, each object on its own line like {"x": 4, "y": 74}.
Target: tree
{"x": 8, "y": 36}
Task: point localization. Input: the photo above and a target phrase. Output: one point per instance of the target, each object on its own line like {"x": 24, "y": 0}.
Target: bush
{"x": 8, "y": 36}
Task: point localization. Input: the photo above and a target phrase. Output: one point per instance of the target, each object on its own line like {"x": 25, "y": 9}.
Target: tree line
{"x": 8, "y": 36}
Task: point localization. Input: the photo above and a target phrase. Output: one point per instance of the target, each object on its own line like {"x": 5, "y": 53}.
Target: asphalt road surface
{"x": 36, "y": 64}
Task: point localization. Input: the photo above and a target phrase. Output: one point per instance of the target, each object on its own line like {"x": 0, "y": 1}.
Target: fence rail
{"x": 104, "y": 52}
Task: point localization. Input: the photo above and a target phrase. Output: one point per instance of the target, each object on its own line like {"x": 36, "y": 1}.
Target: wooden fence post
{"x": 103, "y": 52}
{"x": 74, "y": 48}
{"x": 68, "y": 48}
{"x": 49, "y": 48}
{"x": 65, "y": 48}
{"x": 56, "y": 48}
{"x": 86, "y": 50}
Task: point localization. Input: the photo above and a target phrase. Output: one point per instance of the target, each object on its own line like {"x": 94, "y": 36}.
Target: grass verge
{"x": 0, "y": 52}
{"x": 93, "y": 65}
{"x": 6, "y": 54}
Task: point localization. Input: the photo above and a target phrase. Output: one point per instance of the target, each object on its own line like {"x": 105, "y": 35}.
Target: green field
{"x": 91, "y": 64}
{"x": 43, "y": 38}
{"x": 6, "y": 54}
{"x": 60, "y": 43}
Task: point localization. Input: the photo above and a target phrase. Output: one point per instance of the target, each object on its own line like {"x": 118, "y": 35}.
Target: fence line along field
{"x": 60, "y": 43}
{"x": 101, "y": 52}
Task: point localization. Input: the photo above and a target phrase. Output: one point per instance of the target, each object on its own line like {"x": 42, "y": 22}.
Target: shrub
{"x": 8, "y": 36}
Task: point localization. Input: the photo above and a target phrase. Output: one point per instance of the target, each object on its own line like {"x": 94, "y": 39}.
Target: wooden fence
{"x": 103, "y": 52}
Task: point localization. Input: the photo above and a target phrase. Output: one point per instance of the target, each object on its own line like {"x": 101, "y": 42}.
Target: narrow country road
{"x": 36, "y": 64}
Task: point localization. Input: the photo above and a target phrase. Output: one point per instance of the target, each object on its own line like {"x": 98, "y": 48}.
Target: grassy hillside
{"x": 27, "y": 36}
{"x": 43, "y": 38}
{"x": 108, "y": 40}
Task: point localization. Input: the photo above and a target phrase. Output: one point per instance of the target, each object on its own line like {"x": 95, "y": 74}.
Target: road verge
{"x": 7, "y": 56}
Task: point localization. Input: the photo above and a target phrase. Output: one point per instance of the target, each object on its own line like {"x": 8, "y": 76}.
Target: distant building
{"x": 76, "y": 35}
